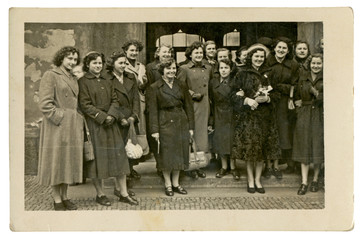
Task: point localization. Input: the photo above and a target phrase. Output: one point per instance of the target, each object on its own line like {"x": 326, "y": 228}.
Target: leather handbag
{"x": 88, "y": 151}
{"x": 197, "y": 159}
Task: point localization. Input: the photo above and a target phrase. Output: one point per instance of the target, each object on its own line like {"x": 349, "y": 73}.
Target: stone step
{"x": 150, "y": 179}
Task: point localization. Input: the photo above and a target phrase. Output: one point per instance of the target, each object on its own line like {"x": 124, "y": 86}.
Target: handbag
{"x": 290, "y": 100}
{"x": 196, "y": 159}
{"x": 88, "y": 151}
{"x": 133, "y": 149}
{"x": 142, "y": 141}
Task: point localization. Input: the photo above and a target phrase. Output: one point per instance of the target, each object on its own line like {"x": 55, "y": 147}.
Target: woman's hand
{"x": 298, "y": 103}
{"x": 314, "y": 91}
{"x": 191, "y": 133}
{"x": 251, "y": 102}
{"x": 240, "y": 93}
{"x": 210, "y": 129}
{"x": 124, "y": 123}
{"x": 130, "y": 120}
{"x": 109, "y": 120}
{"x": 156, "y": 136}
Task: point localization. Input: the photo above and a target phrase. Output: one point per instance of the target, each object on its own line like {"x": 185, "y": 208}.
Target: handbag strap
{"x": 193, "y": 144}
{"x": 86, "y": 130}
{"x": 132, "y": 133}
{"x": 291, "y": 94}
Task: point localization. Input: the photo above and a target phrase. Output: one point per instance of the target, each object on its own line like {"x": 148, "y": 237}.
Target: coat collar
{"x": 191, "y": 64}
{"x": 154, "y": 64}
{"x": 68, "y": 78}
{"x": 273, "y": 61}
{"x": 91, "y": 76}
{"x": 307, "y": 76}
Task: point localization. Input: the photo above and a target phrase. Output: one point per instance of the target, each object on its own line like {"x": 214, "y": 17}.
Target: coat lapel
{"x": 66, "y": 77}
{"x": 222, "y": 88}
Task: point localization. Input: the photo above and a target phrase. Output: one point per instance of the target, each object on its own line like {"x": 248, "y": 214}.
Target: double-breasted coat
{"x": 282, "y": 77}
{"x": 308, "y": 143}
{"x": 197, "y": 77}
{"x": 172, "y": 116}
{"x": 256, "y": 136}
{"x": 61, "y": 133}
{"x": 221, "y": 118}
{"x": 98, "y": 99}
{"x": 152, "y": 72}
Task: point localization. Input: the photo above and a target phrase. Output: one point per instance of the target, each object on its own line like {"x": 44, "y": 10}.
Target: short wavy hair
{"x": 209, "y": 42}
{"x": 64, "y": 52}
{"x": 164, "y": 64}
{"x": 251, "y": 53}
{"x": 315, "y": 55}
{"x": 133, "y": 42}
{"x": 112, "y": 59}
{"x": 289, "y": 45}
{"x": 238, "y": 53}
{"x": 157, "y": 52}
{"x": 194, "y": 45}
{"x": 301, "y": 42}
{"x": 222, "y": 50}
{"x": 90, "y": 57}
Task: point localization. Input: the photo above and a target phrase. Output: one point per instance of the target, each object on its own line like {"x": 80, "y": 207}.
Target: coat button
{"x": 98, "y": 80}
{"x": 204, "y": 85}
{"x": 66, "y": 95}
{"x": 102, "y": 87}
{"x": 194, "y": 70}
{"x": 203, "y": 70}
{"x": 171, "y": 121}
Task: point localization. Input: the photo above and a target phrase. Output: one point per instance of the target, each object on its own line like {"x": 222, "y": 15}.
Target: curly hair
{"x": 223, "y": 50}
{"x": 133, "y": 42}
{"x": 157, "y": 53}
{"x": 164, "y": 64}
{"x": 90, "y": 57}
{"x": 233, "y": 69}
{"x": 301, "y": 42}
{"x": 64, "y": 52}
{"x": 194, "y": 45}
{"x": 209, "y": 42}
{"x": 315, "y": 55}
{"x": 238, "y": 53}
{"x": 112, "y": 59}
{"x": 251, "y": 53}
{"x": 289, "y": 45}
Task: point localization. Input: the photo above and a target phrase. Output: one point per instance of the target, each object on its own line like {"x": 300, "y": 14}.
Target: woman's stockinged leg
{"x": 232, "y": 164}
{"x": 64, "y": 191}
{"x": 56, "y": 193}
{"x": 122, "y": 183}
{"x": 250, "y": 172}
{"x": 175, "y": 178}
{"x": 98, "y": 186}
{"x": 317, "y": 168}
{"x": 224, "y": 162}
{"x": 167, "y": 177}
{"x": 258, "y": 170}
{"x": 305, "y": 170}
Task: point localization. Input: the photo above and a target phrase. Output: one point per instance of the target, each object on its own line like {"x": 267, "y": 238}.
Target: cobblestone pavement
{"x": 38, "y": 198}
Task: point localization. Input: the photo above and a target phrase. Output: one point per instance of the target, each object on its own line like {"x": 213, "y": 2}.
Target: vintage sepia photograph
{"x": 161, "y": 118}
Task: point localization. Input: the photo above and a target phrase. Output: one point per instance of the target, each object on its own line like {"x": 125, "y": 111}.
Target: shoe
{"x": 249, "y": 189}
{"x": 260, "y": 190}
{"x": 289, "y": 170}
{"x": 314, "y": 187}
{"x": 69, "y": 205}
{"x": 168, "y": 191}
{"x": 302, "y": 189}
{"x": 200, "y": 173}
{"x": 267, "y": 172}
{"x": 222, "y": 172}
{"x": 192, "y": 174}
{"x": 134, "y": 174}
{"x": 277, "y": 173}
{"x": 118, "y": 193}
{"x": 179, "y": 190}
{"x": 236, "y": 174}
{"x": 103, "y": 200}
{"x": 128, "y": 199}
{"x": 59, "y": 206}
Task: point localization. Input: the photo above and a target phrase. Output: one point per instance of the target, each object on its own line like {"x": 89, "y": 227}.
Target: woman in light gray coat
{"x": 61, "y": 135}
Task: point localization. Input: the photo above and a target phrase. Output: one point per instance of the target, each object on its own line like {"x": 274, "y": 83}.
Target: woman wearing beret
{"x": 61, "y": 134}
{"x": 171, "y": 125}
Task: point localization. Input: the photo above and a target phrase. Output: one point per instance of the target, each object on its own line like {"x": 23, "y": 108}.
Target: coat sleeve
{"x": 211, "y": 98}
{"x": 150, "y": 75}
{"x": 114, "y": 109}
{"x": 284, "y": 88}
{"x": 182, "y": 77}
{"x": 86, "y": 105}
{"x": 136, "y": 111}
{"x": 188, "y": 107}
{"x": 47, "y": 99}
{"x": 237, "y": 101}
{"x": 153, "y": 110}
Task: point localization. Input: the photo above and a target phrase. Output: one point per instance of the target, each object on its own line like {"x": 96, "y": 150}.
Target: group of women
{"x": 265, "y": 106}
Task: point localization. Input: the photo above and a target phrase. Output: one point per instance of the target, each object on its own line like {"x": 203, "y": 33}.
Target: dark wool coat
{"x": 282, "y": 76}
{"x": 256, "y": 136}
{"x": 98, "y": 99}
{"x": 308, "y": 143}
{"x": 152, "y": 72}
{"x": 61, "y": 132}
{"x": 172, "y": 116}
{"x": 221, "y": 118}
{"x": 197, "y": 80}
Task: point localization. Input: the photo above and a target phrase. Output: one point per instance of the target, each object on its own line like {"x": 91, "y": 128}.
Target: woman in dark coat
{"x": 256, "y": 135}
{"x": 284, "y": 74}
{"x": 171, "y": 124}
{"x": 98, "y": 101}
{"x": 221, "y": 119}
{"x": 125, "y": 86}
{"x": 308, "y": 144}
{"x": 61, "y": 134}
{"x": 197, "y": 74}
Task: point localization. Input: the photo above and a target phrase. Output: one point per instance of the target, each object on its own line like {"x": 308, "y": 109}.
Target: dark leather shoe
{"x": 69, "y": 205}
{"x": 267, "y": 172}
{"x": 103, "y": 200}
{"x": 59, "y": 206}
{"x": 168, "y": 191}
{"x": 222, "y": 172}
{"x": 192, "y": 174}
{"x": 249, "y": 189}
{"x": 277, "y": 173}
{"x": 302, "y": 189}
{"x": 134, "y": 174}
{"x": 200, "y": 173}
{"x": 314, "y": 187}
{"x": 118, "y": 193}
{"x": 236, "y": 174}
{"x": 129, "y": 200}
{"x": 260, "y": 190}
{"x": 179, "y": 190}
